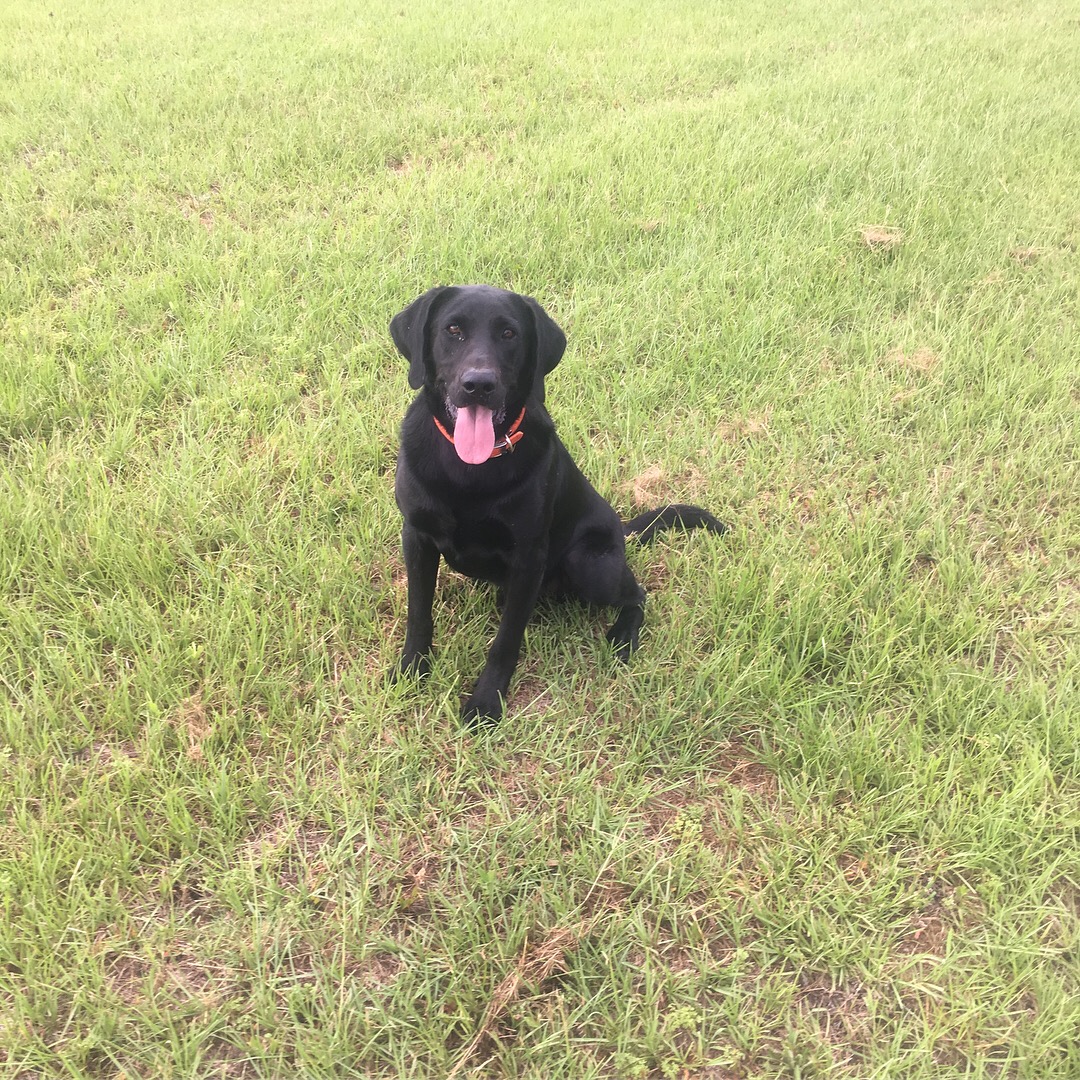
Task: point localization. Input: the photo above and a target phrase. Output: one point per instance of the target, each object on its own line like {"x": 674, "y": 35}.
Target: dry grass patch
{"x": 881, "y": 239}
{"x": 656, "y": 486}
{"x": 742, "y": 428}
{"x": 191, "y": 722}
{"x": 924, "y": 361}
{"x": 537, "y": 963}
{"x": 1026, "y": 256}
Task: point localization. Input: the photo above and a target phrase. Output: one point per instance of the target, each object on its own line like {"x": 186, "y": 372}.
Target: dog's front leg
{"x": 422, "y": 568}
{"x": 520, "y": 593}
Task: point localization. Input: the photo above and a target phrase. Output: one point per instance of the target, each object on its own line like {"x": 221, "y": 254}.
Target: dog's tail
{"x": 645, "y": 527}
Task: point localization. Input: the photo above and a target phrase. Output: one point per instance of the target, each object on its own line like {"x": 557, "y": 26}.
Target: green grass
{"x": 818, "y": 268}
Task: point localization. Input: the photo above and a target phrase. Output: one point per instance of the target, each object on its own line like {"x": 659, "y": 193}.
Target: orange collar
{"x": 504, "y": 446}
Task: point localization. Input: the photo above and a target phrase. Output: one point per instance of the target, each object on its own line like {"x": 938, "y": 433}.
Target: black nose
{"x": 479, "y": 383}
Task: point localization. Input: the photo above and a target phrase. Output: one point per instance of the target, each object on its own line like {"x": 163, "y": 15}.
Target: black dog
{"x": 483, "y": 481}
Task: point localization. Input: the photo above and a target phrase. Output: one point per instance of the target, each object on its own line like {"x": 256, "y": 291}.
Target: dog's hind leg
{"x": 623, "y": 634}
{"x": 595, "y": 570}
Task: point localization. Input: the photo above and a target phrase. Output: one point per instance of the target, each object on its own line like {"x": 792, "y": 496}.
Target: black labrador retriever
{"x": 483, "y": 481}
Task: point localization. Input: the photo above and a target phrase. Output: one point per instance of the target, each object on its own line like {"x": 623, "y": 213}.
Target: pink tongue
{"x": 474, "y": 434}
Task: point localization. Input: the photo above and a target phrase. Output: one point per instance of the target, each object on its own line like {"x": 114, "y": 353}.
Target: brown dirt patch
{"x": 838, "y": 1009}
{"x": 925, "y": 935}
{"x": 293, "y": 853}
{"x": 530, "y": 696}
{"x": 175, "y": 973}
{"x": 738, "y": 767}
{"x": 376, "y": 970}
{"x": 684, "y": 813}
{"x": 126, "y": 976}
{"x": 106, "y": 753}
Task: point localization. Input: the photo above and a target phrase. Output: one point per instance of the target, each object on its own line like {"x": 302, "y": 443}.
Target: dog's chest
{"x": 479, "y": 546}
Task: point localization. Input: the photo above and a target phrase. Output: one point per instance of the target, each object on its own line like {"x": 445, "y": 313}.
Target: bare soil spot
{"x": 950, "y": 908}
{"x": 923, "y": 565}
{"x": 126, "y": 976}
{"x": 228, "y": 1061}
{"x": 838, "y": 1010}
{"x": 656, "y": 577}
{"x": 404, "y": 876}
{"x": 292, "y": 853}
{"x": 739, "y": 768}
{"x": 105, "y": 754}
{"x": 664, "y": 811}
{"x": 177, "y": 974}
{"x": 193, "y": 900}
{"x": 926, "y": 935}
{"x": 376, "y": 970}
{"x": 685, "y": 813}
{"x": 530, "y": 695}
{"x": 604, "y": 899}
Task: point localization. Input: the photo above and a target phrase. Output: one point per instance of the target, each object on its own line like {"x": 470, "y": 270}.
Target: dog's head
{"x": 480, "y": 353}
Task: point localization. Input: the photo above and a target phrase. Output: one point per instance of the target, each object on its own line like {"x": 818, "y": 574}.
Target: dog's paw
{"x": 623, "y": 634}
{"x": 481, "y": 711}
{"x": 623, "y": 645}
{"x": 409, "y": 667}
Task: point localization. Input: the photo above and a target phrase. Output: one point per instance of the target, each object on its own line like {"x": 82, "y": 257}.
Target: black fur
{"x": 528, "y": 520}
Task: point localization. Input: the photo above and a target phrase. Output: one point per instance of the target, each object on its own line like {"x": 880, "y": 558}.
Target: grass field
{"x": 818, "y": 267}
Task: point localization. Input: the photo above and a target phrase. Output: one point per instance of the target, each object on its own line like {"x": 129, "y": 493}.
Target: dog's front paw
{"x": 481, "y": 711}
{"x": 410, "y": 667}
{"x": 623, "y": 645}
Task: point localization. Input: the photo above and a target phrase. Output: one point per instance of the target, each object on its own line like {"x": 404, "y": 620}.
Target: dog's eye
{"x": 454, "y": 330}
{"x": 508, "y": 333}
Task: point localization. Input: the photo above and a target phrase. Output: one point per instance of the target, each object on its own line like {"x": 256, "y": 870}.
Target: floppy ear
{"x": 408, "y": 328}
{"x": 550, "y": 340}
